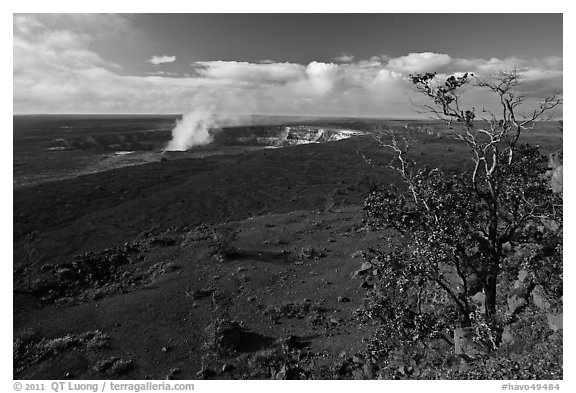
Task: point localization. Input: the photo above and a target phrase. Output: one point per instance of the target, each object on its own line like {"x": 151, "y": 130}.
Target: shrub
{"x": 222, "y": 241}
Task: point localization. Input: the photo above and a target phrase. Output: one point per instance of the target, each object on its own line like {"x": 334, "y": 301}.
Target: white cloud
{"x": 319, "y": 80}
{"x": 419, "y": 62}
{"x": 26, "y": 24}
{"x": 249, "y": 72}
{"x": 55, "y": 70}
{"x": 156, "y": 60}
{"x": 164, "y": 73}
{"x": 344, "y": 58}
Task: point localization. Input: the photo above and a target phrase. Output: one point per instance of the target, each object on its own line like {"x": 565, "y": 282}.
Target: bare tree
{"x": 467, "y": 226}
{"x": 497, "y": 133}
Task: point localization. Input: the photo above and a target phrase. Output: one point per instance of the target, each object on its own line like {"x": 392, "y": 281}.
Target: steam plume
{"x": 194, "y": 127}
{"x": 192, "y": 130}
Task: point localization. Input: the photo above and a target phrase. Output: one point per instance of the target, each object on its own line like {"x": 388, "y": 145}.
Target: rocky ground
{"x": 288, "y": 295}
{"x": 120, "y": 282}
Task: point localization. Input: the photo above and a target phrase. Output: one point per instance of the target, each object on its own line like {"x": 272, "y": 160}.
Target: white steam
{"x": 197, "y": 128}
{"x": 192, "y": 130}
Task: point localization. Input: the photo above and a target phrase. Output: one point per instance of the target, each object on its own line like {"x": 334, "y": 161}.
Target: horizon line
{"x": 225, "y": 113}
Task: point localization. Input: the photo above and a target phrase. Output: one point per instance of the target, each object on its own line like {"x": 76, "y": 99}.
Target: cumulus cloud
{"x": 156, "y": 60}
{"x": 319, "y": 80}
{"x": 419, "y": 62}
{"x": 251, "y": 72}
{"x": 56, "y": 69}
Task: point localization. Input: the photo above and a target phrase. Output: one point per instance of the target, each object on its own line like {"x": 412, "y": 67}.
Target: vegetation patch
{"x": 477, "y": 244}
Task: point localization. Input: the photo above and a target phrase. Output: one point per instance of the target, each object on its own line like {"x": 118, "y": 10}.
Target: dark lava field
{"x": 118, "y": 280}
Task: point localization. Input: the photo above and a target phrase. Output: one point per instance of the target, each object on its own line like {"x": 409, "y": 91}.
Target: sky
{"x": 285, "y": 64}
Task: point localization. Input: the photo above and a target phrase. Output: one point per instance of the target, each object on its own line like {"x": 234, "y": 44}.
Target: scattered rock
{"x": 455, "y": 361}
{"x": 200, "y": 233}
{"x": 439, "y": 345}
{"x": 364, "y": 269}
{"x": 555, "y": 321}
{"x": 162, "y": 241}
{"x": 202, "y": 293}
{"x": 523, "y": 276}
{"x": 293, "y": 310}
{"x": 308, "y": 252}
{"x": 464, "y": 343}
{"x": 32, "y": 349}
{"x": 293, "y": 343}
{"x": 366, "y": 285}
{"x": 228, "y": 334}
{"x": 507, "y": 336}
{"x": 405, "y": 370}
{"x": 114, "y": 366}
{"x": 516, "y": 299}
{"x": 479, "y": 299}
{"x": 540, "y": 299}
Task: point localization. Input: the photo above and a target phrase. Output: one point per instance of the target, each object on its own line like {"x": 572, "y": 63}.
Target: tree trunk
{"x": 465, "y": 319}
{"x": 490, "y": 293}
